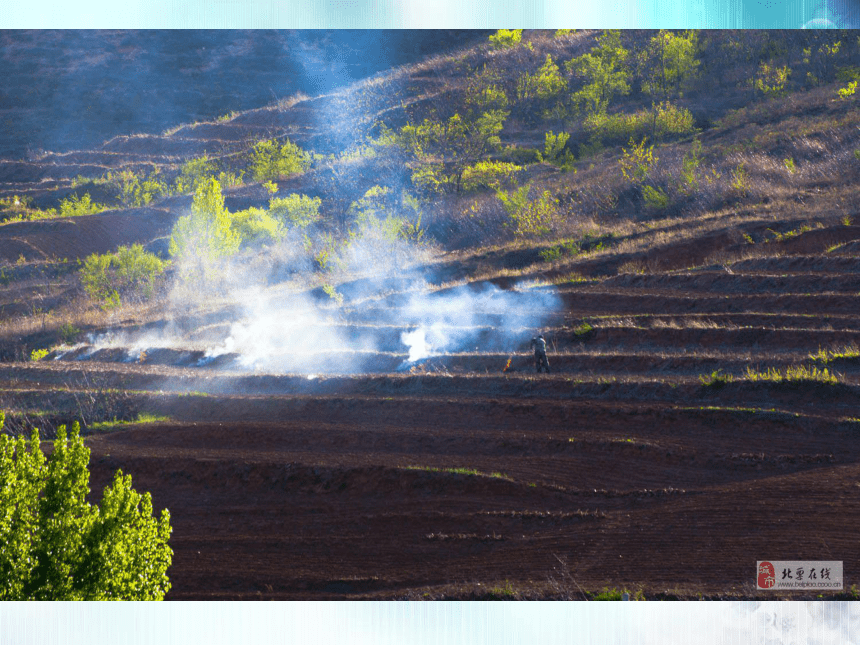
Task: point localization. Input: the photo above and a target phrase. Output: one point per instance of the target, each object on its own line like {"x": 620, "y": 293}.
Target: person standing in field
{"x": 541, "y": 362}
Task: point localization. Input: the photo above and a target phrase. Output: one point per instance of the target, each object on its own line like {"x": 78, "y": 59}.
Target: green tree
{"x": 452, "y": 145}
{"x": 605, "y": 73}
{"x": 668, "y": 62}
{"x": 272, "y": 160}
{"x": 201, "y": 239}
{"x": 54, "y": 545}
{"x": 296, "y": 210}
{"x": 637, "y": 161}
{"x": 544, "y": 86}
{"x": 130, "y": 272}
{"x": 770, "y": 80}
{"x": 506, "y": 38}
{"x": 529, "y": 217}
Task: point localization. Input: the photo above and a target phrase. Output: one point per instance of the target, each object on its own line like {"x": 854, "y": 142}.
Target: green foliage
{"x": 75, "y": 206}
{"x": 662, "y": 120}
{"x": 668, "y": 62}
{"x": 57, "y": 546}
{"x": 848, "y": 353}
{"x": 690, "y": 165}
{"x": 561, "y": 33}
{"x": 489, "y": 174}
{"x": 458, "y": 141}
{"x": 521, "y": 156}
{"x": 543, "y": 87}
{"x": 793, "y": 374}
{"x": 845, "y": 92}
{"x": 431, "y": 179}
{"x": 296, "y": 210}
{"x": 614, "y": 594}
{"x": 194, "y": 173}
{"x": 506, "y": 38}
{"x": 135, "y": 191}
{"x": 604, "y": 72}
{"x": 205, "y": 236}
{"x": 655, "y": 198}
{"x": 848, "y": 74}
{"x": 568, "y": 249}
{"x": 770, "y": 80}
{"x": 255, "y": 225}
{"x": 68, "y": 333}
{"x": 790, "y": 166}
{"x": 484, "y": 91}
{"x": 332, "y": 293}
{"x": 740, "y": 180}
{"x": 637, "y": 162}
{"x": 130, "y": 271}
{"x": 39, "y": 354}
{"x": 272, "y": 160}
{"x": 716, "y": 379}
{"x": 271, "y": 187}
{"x": 379, "y": 217}
{"x": 529, "y": 217}
{"x": 555, "y": 150}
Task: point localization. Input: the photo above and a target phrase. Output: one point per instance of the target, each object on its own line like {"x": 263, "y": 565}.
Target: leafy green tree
{"x": 194, "y": 173}
{"x": 296, "y": 210}
{"x": 255, "y": 225}
{"x": 555, "y": 150}
{"x": 489, "y": 174}
{"x": 452, "y": 145}
{"x": 605, "y": 73}
{"x": 637, "y": 161}
{"x": 544, "y": 85}
{"x": 54, "y": 545}
{"x": 770, "y": 80}
{"x": 529, "y": 217}
{"x": 506, "y": 38}
{"x": 130, "y": 272}
{"x": 201, "y": 239}
{"x": 668, "y": 62}
{"x": 272, "y": 160}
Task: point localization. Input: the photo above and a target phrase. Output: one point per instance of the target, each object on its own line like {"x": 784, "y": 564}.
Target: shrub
{"x": 130, "y": 271}
{"x": 716, "y": 379}
{"x": 655, "y": 198}
{"x": 506, "y": 38}
{"x": 296, "y": 210}
{"x": 529, "y": 217}
{"x": 637, "y": 162}
{"x": 68, "y": 333}
{"x": 57, "y": 546}
{"x": 790, "y": 165}
{"x": 740, "y": 180}
{"x": 194, "y": 173}
{"x": 272, "y": 160}
{"x": 770, "y": 79}
{"x": 206, "y": 234}
{"x": 39, "y": 354}
{"x": 689, "y": 165}
{"x": 135, "y": 191}
{"x": 546, "y": 84}
{"x": 489, "y": 174}
{"x": 75, "y": 206}
{"x": 555, "y": 150}
{"x": 255, "y": 225}
{"x": 847, "y": 91}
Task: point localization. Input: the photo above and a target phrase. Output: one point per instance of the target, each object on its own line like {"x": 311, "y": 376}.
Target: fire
{"x": 508, "y": 364}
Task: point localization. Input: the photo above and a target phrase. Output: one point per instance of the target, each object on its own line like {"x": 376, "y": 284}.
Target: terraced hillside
{"x": 380, "y": 431}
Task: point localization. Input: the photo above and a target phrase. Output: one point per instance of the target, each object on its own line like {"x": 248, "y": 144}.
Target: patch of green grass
{"x": 143, "y": 417}
{"x": 716, "y": 379}
{"x": 502, "y": 593}
{"x": 793, "y": 374}
{"x": 460, "y": 471}
{"x": 827, "y": 356}
{"x": 583, "y": 329}
{"x": 614, "y": 594}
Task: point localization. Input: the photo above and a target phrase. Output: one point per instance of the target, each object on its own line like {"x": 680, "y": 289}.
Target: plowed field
{"x": 454, "y": 479}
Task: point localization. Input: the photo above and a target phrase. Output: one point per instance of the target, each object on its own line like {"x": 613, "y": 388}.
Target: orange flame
{"x": 508, "y": 364}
